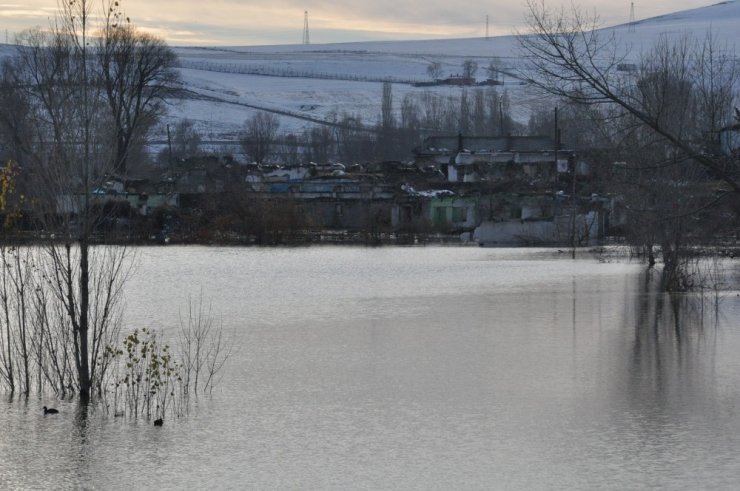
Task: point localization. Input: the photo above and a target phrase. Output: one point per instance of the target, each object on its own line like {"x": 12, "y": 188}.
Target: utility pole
{"x": 306, "y": 38}
{"x": 573, "y": 190}
{"x": 574, "y": 204}
{"x": 486, "y": 26}
{"x": 169, "y": 155}
{"x": 501, "y": 115}
{"x": 631, "y": 27}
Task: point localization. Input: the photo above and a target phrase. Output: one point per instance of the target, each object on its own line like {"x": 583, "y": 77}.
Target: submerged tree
{"x": 80, "y": 96}
{"x": 661, "y": 113}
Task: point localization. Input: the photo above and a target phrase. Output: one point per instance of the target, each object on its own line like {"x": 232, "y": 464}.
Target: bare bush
{"x": 203, "y": 348}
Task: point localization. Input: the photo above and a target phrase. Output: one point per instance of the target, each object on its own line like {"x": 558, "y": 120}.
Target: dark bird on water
{"x": 158, "y": 422}
{"x": 50, "y": 410}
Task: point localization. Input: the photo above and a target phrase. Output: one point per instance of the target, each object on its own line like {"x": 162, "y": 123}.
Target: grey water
{"x": 414, "y": 368}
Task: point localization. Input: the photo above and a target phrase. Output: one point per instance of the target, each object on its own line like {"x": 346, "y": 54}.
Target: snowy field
{"x": 305, "y": 84}
{"x": 319, "y": 81}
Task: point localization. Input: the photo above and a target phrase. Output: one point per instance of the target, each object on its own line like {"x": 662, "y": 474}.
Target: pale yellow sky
{"x": 237, "y": 22}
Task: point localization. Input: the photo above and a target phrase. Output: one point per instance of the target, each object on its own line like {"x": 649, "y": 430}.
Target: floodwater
{"x": 415, "y": 368}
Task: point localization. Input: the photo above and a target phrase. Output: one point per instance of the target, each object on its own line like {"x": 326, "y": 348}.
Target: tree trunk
{"x": 84, "y": 373}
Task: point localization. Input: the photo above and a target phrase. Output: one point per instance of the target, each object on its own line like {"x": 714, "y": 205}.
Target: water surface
{"x": 415, "y": 368}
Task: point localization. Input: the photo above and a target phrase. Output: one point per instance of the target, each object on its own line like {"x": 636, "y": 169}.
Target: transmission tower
{"x": 306, "y": 39}
{"x": 632, "y": 18}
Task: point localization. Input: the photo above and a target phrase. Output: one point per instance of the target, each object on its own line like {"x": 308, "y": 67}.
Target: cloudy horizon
{"x": 232, "y": 22}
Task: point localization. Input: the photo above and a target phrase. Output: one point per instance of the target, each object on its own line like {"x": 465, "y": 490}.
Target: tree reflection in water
{"x": 674, "y": 344}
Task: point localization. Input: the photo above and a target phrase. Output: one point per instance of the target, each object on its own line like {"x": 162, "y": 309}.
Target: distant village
{"x": 515, "y": 190}
{"x": 493, "y": 191}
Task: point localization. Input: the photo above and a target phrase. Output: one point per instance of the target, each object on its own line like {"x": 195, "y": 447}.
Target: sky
{"x": 267, "y": 22}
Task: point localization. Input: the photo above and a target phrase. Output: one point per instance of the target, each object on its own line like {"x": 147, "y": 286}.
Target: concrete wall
{"x": 557, "y": 231}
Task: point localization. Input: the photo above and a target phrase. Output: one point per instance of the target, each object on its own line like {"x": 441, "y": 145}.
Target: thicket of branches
{"x": 137, "y": 374}
{"x": 75, "y": 102}
{"x": 398, "y": 129}
{"x": 654, "y": 119}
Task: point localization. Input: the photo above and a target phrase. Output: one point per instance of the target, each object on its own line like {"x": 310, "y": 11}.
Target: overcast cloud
{"x": 238, "y": 22}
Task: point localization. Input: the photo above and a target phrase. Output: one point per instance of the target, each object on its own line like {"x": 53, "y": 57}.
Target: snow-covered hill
{"x": 308, "y": 83}
{"x": 317, "y": 81}
{"x": 723, "y": 19}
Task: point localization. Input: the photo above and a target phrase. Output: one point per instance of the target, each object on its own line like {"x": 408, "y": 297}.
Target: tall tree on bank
{"x": 138, "y": 73}
{"x": 387, "y": 132}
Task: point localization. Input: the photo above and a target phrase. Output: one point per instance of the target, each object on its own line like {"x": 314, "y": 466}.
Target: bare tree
{"x": 469, "y": 68}
{"x": 203, "y": 348}
{"x": 319, "y": 141}
{"x": 410, "y": 123}
{"x": 259, "y": 135}
{"x": 479, "y": 113}
{"x": 290, "y": 150}
{"x": 388, "y": 120}
{"x": 16, "y": 129}
{"x": 668, "y": 207}
{"x": 353, "y": 145}
{"x": 387, "y": 140}
{"x": 434, "y": 70}
{"x": 183, "y": 141}
{"x": 464, "y": 121}
{"x": 138, "y": 73}
{"x": 62, "y": 122}
{"x": 492, "y": 69}
{"x": 663, "y": 109}
{"x": 568, "y": 56}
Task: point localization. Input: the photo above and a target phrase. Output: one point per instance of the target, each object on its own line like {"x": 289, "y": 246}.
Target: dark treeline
{"x": 398, "y": 129}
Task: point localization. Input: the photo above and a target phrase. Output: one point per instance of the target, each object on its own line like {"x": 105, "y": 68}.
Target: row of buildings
{"x": 493, "y": 190}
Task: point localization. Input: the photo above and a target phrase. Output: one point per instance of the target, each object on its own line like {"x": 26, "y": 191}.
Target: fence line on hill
{"x": 265, "y": 71}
